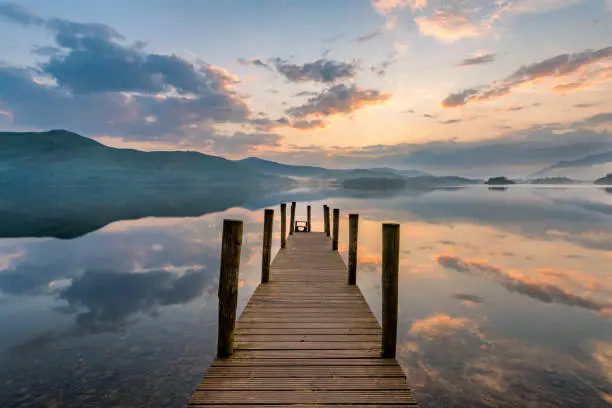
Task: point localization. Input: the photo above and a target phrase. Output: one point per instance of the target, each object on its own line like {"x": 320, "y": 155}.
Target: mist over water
{"x": 505, "y": 295}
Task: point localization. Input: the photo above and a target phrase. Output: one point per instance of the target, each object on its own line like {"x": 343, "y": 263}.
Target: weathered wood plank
{"x": 301, "y": 383}
{"x": 305, "y": 371}
{"x": 305, "y": 338}
{"x": 304, "y": 397}
{"x": 307, "y": 331}
{"x": 306, "y": 354}
{"x": 243, "y": 344}
{"x": 290, "y": 405}
{"x": 361, "y": 362}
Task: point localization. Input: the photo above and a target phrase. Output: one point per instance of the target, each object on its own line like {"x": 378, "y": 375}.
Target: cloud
{"x": 46, "y": 51}
{"x": 322, "y": 70}
{"x": 110, "y": 297}
{"x": 305, "y": 93}
{"x": 598, "y": 119}
{"x": 451, "y": 121}
{"x": 389, "y": 6}
{"x": 468, "y": 298}
{"x": 534, "y": 287}
{"x": 95, "y": 83}
{"x": 515, "y": 152}
{"x": 368, "y": 37}
{"x": 241, "y": 143}
{"x": 266, "y": 124}
{"x": 459, "y": 98}
{"x": 19, "y": 15}
{"x": 254, "y": 61}
{"x": 309, "y": 124}
{"x": 441, "y": 325}
{"x": 560, "y": 66}
{"x": 541, "y": 6}
{"x": 478, "y": 60}
{"x": 448, "y": 26}
{"x": 339, "y": 99}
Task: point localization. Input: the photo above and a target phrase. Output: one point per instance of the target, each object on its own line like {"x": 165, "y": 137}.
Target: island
{"x": 499, "y": 181}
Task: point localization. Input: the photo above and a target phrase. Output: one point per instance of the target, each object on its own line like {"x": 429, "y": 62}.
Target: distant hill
{"x": 62, "y": 158}
{"x": 442, "y": 181}
{"x": 607, "y": 180}
{"x": 365, "y": 183}
{"x": 555, "y": 180}
{"x": 421, "y": 182}
{"x": 588, "y": 161}
{"x": 272, "y": 167}
{"x": 64, "y": 185}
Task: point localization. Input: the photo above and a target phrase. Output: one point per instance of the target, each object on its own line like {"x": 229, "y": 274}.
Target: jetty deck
{"x": 305, "y": 338}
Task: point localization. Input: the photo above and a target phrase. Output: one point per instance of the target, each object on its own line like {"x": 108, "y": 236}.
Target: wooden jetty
{"x": 307, "y": 337}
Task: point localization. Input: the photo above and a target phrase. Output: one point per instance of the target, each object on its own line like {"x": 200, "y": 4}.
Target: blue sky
{"x": 462, "y": 86}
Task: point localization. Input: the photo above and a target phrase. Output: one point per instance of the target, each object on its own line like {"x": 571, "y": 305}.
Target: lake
{"x": 505, "y": 297}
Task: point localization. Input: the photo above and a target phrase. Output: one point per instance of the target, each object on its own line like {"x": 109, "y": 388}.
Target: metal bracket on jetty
{"x": 307, "y": 336}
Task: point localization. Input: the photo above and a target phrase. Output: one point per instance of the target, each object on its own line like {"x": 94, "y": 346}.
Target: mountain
{"x": 555, "y": 180}
{"x": 271, "y": 167}
{"x": 373, "y": 184}
{"x": 64, "y": 185}
{"x": 607, "y": 180}
{"x": 588, "y": 161}
{"x": 64, "y": 158}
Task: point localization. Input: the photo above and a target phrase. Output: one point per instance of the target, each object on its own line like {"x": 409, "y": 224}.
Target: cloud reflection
{"x": 532, "y": 286}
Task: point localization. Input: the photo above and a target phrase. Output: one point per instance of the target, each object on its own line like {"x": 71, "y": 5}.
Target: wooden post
{"x": 267, "y": 245}
{"x": 283, "y": 225}
{"x": 336, "y": 229}
{"x": 390, "y": 270}
{"x": 352, "y": 263}
{"x": 308, "y": 218}
{"x": 228, "y": 286}
{"x": 292, "y": 225}
{"x": 326, "y": 219}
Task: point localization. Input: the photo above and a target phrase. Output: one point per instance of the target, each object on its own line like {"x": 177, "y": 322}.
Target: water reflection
{"x": 510, "y": 310}
{"x": 506, "y": 299}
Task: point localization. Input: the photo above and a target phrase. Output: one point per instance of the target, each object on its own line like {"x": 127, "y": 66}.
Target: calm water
{"x": 505, "y": 300}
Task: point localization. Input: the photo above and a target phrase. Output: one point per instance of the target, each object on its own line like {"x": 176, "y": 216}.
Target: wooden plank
{"x": 304, "y": 397}
{"x": 305, "y": 371}
{"x": 243, "y": 344}
{"x": 328, "y": 338}
{"x": 306, "y": 354}
{"x": 290, "y": 405}
{"x": 307, "y": 331}
{"x": 306, "y": 338}
{"x": 330, "y": 362}
{"x": 310, "y": 325}
{"x": 301, "y": 383}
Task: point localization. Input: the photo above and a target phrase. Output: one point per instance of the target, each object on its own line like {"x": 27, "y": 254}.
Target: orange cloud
{"x": 339, "y": 99}
{"x": 309, "y": 124}
{"x": 559, "y": 66}
{"x": 441, "y": 325}
{"x": 388, "y": 6}
{"x": 602, "y": 353}
{"x": 448, "y": 26}
{"x": 536, "y": 287}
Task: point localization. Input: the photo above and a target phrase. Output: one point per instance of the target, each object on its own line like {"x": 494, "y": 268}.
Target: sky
{"x": 466, "y": 87}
